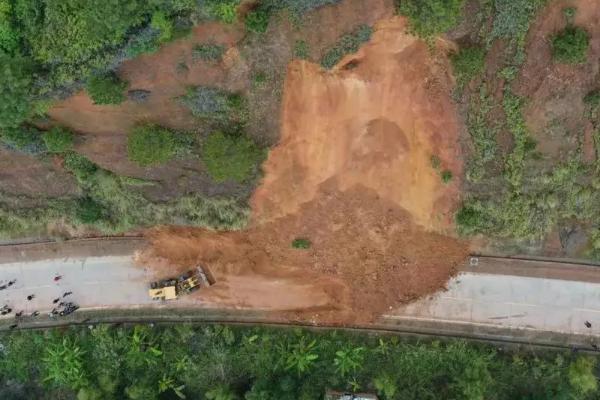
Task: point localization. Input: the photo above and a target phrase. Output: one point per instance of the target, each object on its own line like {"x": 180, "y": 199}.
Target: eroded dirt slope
{"x": 375, "y": 121}
{"x": 352, "y": 173}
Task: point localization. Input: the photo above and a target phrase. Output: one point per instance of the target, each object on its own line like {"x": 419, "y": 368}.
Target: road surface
{"x": 492, "y": 296}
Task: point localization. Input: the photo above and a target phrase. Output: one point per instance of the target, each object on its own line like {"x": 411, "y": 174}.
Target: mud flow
{"x": 352, "y": 173}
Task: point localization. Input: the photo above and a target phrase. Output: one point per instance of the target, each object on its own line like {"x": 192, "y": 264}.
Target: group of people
{"x": 61, "y": 308}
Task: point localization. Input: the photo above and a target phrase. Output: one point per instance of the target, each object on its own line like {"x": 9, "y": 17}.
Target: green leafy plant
{"x": 301, "y": 356}
{"x": 63, "y": 364}
{"x": 106, "y": 89}
{"x": 150, "y": 145}
{"x": 570, "y": 46}
{"x": 386, "y": 386}
{"x": 431, "y": 17}
{"x": 58, "y": 140}
{"x": 301, "y": 243}
{"x": 348, "y": 360}
{"x": 230, "y": 157}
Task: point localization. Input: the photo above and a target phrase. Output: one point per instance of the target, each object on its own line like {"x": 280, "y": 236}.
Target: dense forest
{"x": 225, "y": 363}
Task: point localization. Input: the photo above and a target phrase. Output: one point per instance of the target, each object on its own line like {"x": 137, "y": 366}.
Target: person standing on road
{"x": 67, "y": 294}
{"x": 30, "y": 297}
{"x": 57, "y": 278}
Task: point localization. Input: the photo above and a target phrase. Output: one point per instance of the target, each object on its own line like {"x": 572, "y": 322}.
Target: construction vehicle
{"x": 172, "y": 288}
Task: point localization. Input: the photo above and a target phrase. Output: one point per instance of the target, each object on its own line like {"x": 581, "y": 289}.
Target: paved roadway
{"x": 105, "y": 282}
{"x": 493, "y": 293}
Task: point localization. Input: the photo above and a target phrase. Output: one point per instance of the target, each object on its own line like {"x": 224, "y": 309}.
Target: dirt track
{"x": 352, "y": 173}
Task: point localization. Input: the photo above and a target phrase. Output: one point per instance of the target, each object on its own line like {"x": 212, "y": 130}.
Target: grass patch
{"x": 231, "y": 157}
{"x": 301, "y": 243}
{"x": 151, "y": 145}
{"x": 347, "y": 44}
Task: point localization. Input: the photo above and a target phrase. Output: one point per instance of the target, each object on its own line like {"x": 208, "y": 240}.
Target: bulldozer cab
{"x": 164, "y": 293}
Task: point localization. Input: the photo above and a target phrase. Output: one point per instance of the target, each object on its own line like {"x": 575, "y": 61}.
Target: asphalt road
{"x": 491, "y": 293}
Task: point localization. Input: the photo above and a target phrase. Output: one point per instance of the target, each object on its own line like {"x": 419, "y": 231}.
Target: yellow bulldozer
{"x": 172, "y": 288}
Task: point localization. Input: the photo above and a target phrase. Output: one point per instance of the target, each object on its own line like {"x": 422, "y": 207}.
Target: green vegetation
{"x": 208, "y": 52}
{"x": 217, "y": 362}
{"x": 231, "y": 157}
{"x": 431, "y": 17}
{"x": 58, "y": 140}
{"x": 347, "y": 44}
{"x": 570, "y": 46}
{"x": 301, "y": 243}
{"x": 163, "y": 25}
{"x": 301, "y": 50}
{"x": 15, "y": 87}
{"x": 151, "y": 144}
{"x": 446, "y": 176}
{"x": 216, "y": 105}
{"x": 25, "y": 139}
{"x": 257, "y": 20}
{"x": 224, "y": 10}
{"x": 107, "y": 89}
{"x": 467, "y": 64}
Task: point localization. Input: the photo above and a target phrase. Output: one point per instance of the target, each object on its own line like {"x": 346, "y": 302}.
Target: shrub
{"x": 347, "y": 44}
{"x": 592, "y": 98}
{"x": 58, "y": 140}
{"x": 470, "y": 219}
{"x": 212, "y": 103}
{"x": 15, "y": 85}
{"x": 431, "y": 17}
{"x": 208, "y": 52}
{"x": 230, "y": 157}
{"x": 106, "y": 89}
{"x": 581, "y": 375}
{"x": 25, "y": 139}
{"x": 224, "y": 10}
{"x": 163, "y": 25}
{"x": 467, "y": 64}
{"x": 88, "y": 211}
{"x": 151, "y": 144}
{"x": 301, "y": 50}
{"x": 301, "y": 243}
{"x": 79, "y": 166}
{"x": 571, "y": 45}
{"x": 257, "y": 20}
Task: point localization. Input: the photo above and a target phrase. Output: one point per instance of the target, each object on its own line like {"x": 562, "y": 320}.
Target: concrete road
{"x": 516, "y": 294}
{"x": 103, "y": 282}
